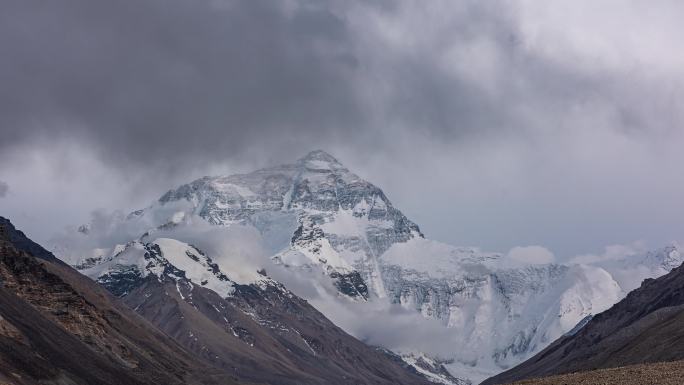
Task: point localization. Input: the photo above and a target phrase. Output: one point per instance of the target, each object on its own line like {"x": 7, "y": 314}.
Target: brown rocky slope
{"x": 58, "y": 327}
{"x": 661, "y": 373}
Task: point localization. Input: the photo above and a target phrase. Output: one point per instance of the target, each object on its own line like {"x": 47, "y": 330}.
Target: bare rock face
{"x": 57, "y": 326}
{"x": 10, "y": 331}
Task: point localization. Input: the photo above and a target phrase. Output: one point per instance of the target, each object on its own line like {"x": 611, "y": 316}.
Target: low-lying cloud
{"x": 237, "y": 249}
{"x": 375, "y": 322}
{"x": 531, "y": 255}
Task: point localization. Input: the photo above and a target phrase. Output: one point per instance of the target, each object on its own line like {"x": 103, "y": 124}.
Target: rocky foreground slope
{"x": 647, "y": 326}
{"x": 661, "y": 373}
{"x": 59, "y": 327}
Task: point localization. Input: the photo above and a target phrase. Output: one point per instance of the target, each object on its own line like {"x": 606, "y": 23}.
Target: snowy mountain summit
{"x": 315, "y": 215}
{"x": 314, "y": 212}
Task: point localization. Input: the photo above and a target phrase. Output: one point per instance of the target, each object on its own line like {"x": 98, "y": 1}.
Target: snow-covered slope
{"x": 315, "y": 215}
{"x": 311, "y": 213}
{"x": 498, "y": 315}
{"x": 161, "y": 258}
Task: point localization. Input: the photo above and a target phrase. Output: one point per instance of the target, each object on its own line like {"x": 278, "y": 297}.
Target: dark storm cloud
{"x": 180, "y": 83}
{"x": 150, "y": 79}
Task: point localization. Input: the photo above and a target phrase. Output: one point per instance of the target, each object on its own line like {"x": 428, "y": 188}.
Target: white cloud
{"x": 612, "y": 253}
{"x": 376, "y": 321}
{"x": 532, "y": 255}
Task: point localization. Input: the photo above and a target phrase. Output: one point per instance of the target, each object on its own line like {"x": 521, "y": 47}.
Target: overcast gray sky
{"x": 493, "y": 124}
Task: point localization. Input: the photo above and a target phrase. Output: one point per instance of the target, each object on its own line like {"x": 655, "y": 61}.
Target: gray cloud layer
{"x": 211, "y": 80}
{"x": 199, "y": 80}
{"x": 492, "y": 124}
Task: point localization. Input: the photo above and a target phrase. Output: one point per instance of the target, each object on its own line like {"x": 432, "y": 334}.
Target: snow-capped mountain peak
{"x": 316, "y": 215}
{"x": 320, "y": 160}
{"x": 314, "y": 212}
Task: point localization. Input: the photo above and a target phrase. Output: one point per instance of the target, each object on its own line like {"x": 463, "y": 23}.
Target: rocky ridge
{"x": 58, "y": 327}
